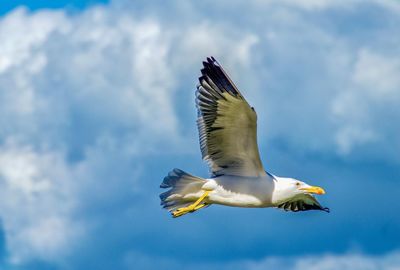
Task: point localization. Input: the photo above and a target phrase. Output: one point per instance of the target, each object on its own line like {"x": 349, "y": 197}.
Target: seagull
{"x": 227, "y": 127}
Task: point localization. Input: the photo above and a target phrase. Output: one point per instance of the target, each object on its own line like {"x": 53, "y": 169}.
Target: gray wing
{"x": 227, "y": 125}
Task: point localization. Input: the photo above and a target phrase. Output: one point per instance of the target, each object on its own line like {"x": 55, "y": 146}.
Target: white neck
{"x": 282, "y": 185}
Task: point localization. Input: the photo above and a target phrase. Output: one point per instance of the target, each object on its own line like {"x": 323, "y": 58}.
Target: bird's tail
{"x": 184, "y": 189}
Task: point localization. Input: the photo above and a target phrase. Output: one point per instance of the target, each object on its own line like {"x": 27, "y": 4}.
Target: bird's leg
{"x": 191, "y": 208}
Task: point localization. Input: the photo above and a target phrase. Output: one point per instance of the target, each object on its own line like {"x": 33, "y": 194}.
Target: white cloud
{"x": 21, "y": 35}
{"x": 350, "y": 136}
{"x": 321, "y": 5}
{"x": 351, "y": 261}
{"x": 37, "y": 201}
{"x": 100, "y": 85}
{"x": 322, "y": 89}
{"x": 378, "y": 75}
{"x": 371, "y": 94}
{"x": 46, "y": 68}
{"x": 85, "y": 98}
{"x": 308, "y": 5}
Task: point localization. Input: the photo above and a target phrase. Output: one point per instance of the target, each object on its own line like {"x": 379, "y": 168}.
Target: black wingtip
{"x": 214, "y": 72}
{"x": 211, "y": 60}
{"x": 201, "y": 78}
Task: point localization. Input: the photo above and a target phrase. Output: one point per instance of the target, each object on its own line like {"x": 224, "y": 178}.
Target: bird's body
{"x": 241, "y": 191}
{"x": 228, "y": 141}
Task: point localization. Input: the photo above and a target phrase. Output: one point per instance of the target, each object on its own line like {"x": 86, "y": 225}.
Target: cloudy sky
{"x": 97, "y": 105}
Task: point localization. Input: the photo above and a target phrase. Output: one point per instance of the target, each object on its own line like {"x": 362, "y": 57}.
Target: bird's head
{"x": 296, "y": 187}
{"x": 286, "y": 188}
{"x": 295, "y": 195}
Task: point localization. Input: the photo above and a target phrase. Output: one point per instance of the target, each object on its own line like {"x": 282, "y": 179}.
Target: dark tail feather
{"x": 180, "y": 184}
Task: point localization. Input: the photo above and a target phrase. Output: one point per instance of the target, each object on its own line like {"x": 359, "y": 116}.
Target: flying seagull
{"x": 227, "y": 127}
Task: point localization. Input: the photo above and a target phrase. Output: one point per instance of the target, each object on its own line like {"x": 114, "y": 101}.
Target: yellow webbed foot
{"x": 181, "y": 211}
{"x": 191, "y": 208}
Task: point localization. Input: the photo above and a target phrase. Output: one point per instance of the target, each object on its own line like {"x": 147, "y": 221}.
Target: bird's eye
{"x": 298, "y": 184}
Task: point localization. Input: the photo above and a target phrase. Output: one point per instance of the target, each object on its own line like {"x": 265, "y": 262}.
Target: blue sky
{"x": 74, "y": 5}
{"x": 97, "y": 105}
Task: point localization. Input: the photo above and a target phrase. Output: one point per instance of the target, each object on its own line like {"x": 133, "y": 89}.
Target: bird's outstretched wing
{"x": 303, "y": 202}
{"x": 227, "y": 125}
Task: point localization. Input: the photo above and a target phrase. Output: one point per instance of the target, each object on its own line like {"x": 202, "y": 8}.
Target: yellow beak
{"x": 315, "y": 190}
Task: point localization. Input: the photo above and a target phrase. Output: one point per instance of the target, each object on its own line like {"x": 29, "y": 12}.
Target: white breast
{"x": 233, "y": 191}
